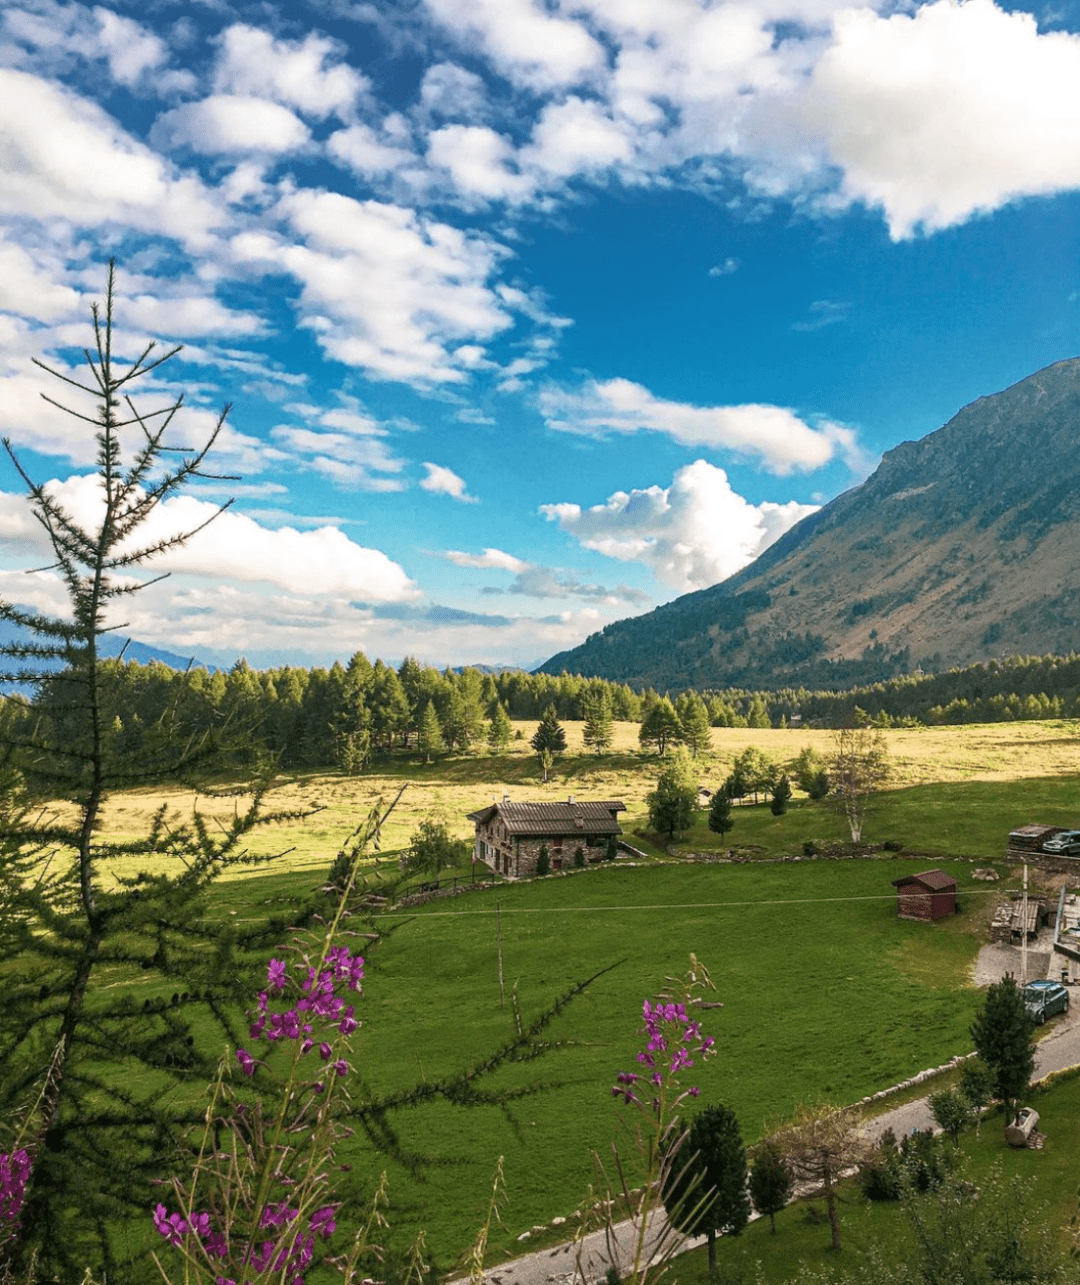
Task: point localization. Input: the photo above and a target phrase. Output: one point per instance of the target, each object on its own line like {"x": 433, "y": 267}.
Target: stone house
{"x": 509, "y": 836}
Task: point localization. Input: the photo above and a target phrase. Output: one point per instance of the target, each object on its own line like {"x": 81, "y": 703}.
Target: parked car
{"x": 1068, "y": 842}
{"x": 1045, "y": 999}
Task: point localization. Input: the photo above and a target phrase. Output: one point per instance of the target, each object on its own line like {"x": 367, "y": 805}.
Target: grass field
{"x": 979, "y": 778}
{"x": 825, "y": 992}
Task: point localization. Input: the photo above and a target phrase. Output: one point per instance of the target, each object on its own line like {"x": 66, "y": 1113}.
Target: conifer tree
{"x": 671, "y": 804}
{"x": 550, "y": 735}
{"x": 76, "y": 927}
{"x": 500, "y": 729}
{"x": 693, "y": 723}
{"x": 429, "y": 737}
{"x": 597, "y": 732}
{"x": 720, "y": 821}
{"x": 705, "y": 1188}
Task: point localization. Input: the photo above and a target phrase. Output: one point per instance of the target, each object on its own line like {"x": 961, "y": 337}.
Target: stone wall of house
{"x": 517, "y": 857}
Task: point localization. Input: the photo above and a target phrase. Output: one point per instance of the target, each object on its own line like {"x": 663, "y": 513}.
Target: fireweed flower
{"x": 14, "y": 1174}
{"x": 672, "y": 1037}
{"x": 291, "y": 1251}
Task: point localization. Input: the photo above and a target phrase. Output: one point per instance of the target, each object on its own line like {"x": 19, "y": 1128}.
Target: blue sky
{"x": 533, "y": 313}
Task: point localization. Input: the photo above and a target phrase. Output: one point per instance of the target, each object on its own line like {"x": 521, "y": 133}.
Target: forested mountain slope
{"x": 961, "y": 547}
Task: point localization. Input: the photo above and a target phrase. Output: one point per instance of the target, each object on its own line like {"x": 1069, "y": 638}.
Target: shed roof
{"x": 586, "y": 817}
{"x": 934, "y": 880}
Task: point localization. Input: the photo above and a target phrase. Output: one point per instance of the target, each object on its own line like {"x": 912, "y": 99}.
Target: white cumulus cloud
{"x": 444, "y": 481}
{"x": 691, "y": 534}
{"x": 777, "y": 436}
{"x": 384, "y": 288}
{"x": 230, "y": 124}
{"x": 490, "y": 558}
{"x": 234, "y": 548}
{"x": 310, "y": 75}
{"x": 64, "y": 157}
{"x": 951, "y": 110}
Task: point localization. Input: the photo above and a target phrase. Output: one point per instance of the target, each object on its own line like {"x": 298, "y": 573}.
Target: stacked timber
{"x": 1027, "y": 841}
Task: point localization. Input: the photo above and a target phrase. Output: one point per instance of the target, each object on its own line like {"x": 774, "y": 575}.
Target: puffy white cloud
{"x": 309, "y": 75}
{"x": 577, "y": 136}
{"x": 451, "y": 92}
{"x": 948, "y": 111}
{"x": 480, "y": 162}
{"x": 360, "y": 149}
{"x": 30, "y": 284}
{"x": 444, "y": 481}
{"x": 63, "y": 157}
{"x": 777, "y": 436}
{"x": 229, "y": 124}
{"x": 525, "y": 40}
{"x": 323, "y": 562}
{"x": 490, "y": 558}
{"x": 692, "y": 534}
{"x": 52, "y": 34}
{"x": 132, "y": 51}
{"x": 383, "y": 288}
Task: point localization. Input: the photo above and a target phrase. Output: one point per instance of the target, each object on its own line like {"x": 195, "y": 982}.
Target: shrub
{"x": 579, "y": 858}
{"x": 543, "y": 861}
{"x": 810, "y": 849}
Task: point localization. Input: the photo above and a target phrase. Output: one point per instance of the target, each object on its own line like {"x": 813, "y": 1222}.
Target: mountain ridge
{"x": 962, "y": 546}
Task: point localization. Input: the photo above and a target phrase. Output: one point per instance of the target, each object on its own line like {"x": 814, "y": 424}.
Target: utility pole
{"x": 1023, "y": 933}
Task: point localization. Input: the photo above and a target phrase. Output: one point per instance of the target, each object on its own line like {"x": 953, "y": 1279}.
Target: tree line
{"x": 344, "y": 714}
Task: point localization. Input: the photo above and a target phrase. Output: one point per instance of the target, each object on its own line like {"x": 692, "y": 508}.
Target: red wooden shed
{"x": 931, "y": 895}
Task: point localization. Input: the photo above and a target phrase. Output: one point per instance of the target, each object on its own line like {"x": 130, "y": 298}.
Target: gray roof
{"x": 571, "y": 817}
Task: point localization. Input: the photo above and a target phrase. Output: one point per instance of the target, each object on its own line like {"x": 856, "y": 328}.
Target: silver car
{"x": 1068, "y": 842}
{"x": 1045, "y": 999}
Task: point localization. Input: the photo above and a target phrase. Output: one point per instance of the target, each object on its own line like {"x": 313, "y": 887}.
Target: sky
{"x": 532, "y": 314}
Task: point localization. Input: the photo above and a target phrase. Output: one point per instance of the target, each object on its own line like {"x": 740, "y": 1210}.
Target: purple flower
{"x": 324, "y": 1222}
{"x": 275, "y": 976}
{"x": 341, "y": 1066}
{"x": 247, "y": 1062}
{"x": 171, "y": 1226}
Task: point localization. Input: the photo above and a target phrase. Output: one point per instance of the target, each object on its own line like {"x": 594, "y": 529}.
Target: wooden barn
{"x": 930, "y": 895}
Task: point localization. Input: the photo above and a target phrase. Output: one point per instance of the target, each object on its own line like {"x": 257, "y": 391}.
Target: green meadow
{"x": 825, "y": 993}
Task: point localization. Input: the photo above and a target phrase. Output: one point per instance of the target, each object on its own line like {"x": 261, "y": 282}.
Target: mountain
{"x": 109, "y": 645}
{"x": 961, "y": 547}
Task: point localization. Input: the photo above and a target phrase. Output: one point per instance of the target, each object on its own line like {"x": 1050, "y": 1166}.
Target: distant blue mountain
{"x": 110, "y": 645}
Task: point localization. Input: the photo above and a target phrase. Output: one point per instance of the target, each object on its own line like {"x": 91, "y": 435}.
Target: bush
{"x": 810, "y": 849}
{"x": 920, "y": 1164}
{"x": 579, "y": 858}
{"x": 543, "y": 861}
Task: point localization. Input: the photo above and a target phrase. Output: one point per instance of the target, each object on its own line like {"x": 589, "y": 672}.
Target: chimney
{"x": 570, "y": 799}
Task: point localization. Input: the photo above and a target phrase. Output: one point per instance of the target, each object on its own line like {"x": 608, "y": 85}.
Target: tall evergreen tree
{"x": 705, "y": 1188}
{"x": 695, "y": 732}
{"x": 720, "y": 821}
{"x": 1002, "y": 1034}
{"x": 549, "y": 735}
{"x": 76, "y": 928}
{"x": 500, "y": 729}
{"x": 671, "y": 804}
{"x": 429, "y": 737}
{"x": 598, "y": 730}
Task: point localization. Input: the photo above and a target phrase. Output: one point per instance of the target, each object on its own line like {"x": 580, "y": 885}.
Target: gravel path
{"x": 1057, "y": 1050}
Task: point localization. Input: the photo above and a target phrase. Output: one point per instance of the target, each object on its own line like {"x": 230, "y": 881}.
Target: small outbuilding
{"x": 930, "y": 895}
{"x": 509, "y": 835}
